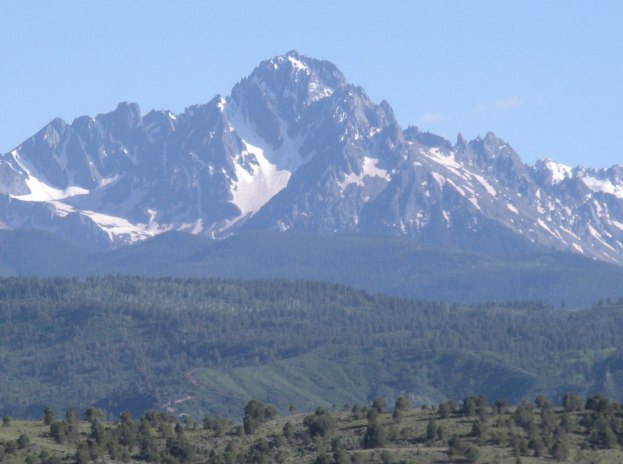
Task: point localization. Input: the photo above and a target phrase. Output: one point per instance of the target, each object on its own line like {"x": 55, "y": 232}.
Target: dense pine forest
{"x": 205, "y": 347}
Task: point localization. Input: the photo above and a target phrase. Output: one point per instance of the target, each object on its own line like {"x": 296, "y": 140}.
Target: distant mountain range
{"x": 379, "y": 264}
{"x": 297, "y": 148}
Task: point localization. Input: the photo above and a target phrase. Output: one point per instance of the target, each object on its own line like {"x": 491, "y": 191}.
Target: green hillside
{"x": 207, "y": 346}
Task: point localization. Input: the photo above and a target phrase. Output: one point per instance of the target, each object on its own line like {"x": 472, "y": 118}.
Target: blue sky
{"x": 544, "y": 75}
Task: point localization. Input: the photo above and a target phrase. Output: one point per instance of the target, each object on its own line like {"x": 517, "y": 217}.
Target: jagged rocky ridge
{"x": 296, "y": 147}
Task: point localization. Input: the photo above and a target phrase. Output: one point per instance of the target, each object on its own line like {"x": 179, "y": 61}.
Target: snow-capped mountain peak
{"x": 555, "y": 172}
{"x": 297, "y": 147}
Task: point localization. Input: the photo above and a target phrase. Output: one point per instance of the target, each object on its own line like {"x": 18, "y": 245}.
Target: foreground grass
{"x": 502, "y": 435}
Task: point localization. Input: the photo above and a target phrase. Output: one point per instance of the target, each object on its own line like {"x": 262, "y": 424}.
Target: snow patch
{"x": 197, "y": 227}
{"x": 287, "y": 156}
{"x": 350, "y": 179}
{"x": 39, "y": 190}
{"x": 117, "y": 227}
{"x": 370, "y": 169}
{"x": 558, "y": 171}
{"x": 456, "y": 187}
{"x": 598, "y": 236}
{"x": 441, "y": 180}
{"x": 541, "y": 223}
{"x": 193, "y": 227}
{"x": 317, "y": 91}
{"x": 297, "y": 64}
{"x": 62, "y": 209}
{"x": 603, "y": 185}
{"x": 490, "y": 190}
{"x": 254, "y": 188}
{"x": 567, "y": 231}
{"x": 446, "y": 160}
{"x": 108, "y": 180}
{"x": 221, "y": 104}
{"x": 617, "y": 224}
{"x": 593, "y": 232}
{"x": 512, "y": 208}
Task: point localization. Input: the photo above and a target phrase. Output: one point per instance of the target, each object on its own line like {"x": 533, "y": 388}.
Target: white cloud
{"x": 507, "y": 103}
{"x": 431, "y": 117}
{"x": 500, "y": 105}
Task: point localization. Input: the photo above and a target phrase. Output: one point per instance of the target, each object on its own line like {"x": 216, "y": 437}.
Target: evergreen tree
{"x": 320, "y": 424}
{"x": 571, "y": 402}
{"x": 48, "y": 416}
{"x": 501, "y": 406}
{"x": 374, "y": 436}
{"x": 23, "y": 441}
{"x": 431, "y": 431}
{"x": 379, "y": 404}
{"x": 560, "y": 450}
{"x": 469, "y": 406}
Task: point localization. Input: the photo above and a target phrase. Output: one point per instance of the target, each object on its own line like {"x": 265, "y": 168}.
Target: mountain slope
{"x": 394, "y": 266}
{"x": 32, "y": 252}
{"x": 390, "y": 265}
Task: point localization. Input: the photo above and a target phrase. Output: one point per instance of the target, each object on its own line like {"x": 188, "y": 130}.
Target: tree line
{"x": 465, "y": 430}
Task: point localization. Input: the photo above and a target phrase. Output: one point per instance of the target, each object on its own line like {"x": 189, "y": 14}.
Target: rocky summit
{"x": 296, "y": 147}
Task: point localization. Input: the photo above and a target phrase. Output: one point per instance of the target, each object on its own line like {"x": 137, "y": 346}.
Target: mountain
{"x": 296, "y": 147}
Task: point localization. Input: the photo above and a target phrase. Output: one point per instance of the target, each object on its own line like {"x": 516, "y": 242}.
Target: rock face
{"x": 296, "y": 147}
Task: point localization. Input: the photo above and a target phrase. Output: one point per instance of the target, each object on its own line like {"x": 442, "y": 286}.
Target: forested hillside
{"x": 208, "y": 346}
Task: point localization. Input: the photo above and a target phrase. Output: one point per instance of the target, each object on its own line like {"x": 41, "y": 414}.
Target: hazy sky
{"x": 547, "y": 76}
